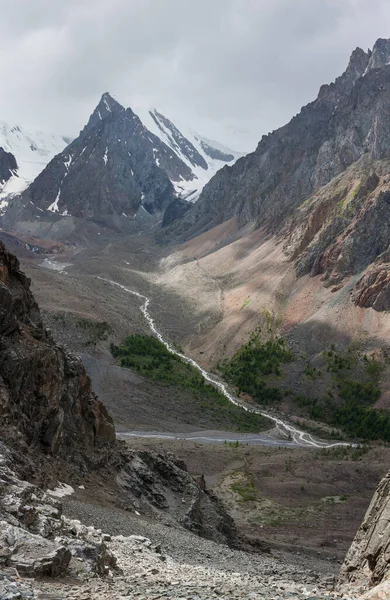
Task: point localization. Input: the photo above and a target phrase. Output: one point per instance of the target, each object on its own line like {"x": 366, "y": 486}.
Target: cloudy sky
{"x": 232, "y": 69}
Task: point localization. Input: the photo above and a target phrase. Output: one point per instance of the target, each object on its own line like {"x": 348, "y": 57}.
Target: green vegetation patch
{"x": 150, "y": 358}
{"x": 245, "y": 488}
{"x": 346, "y": 407}
{"x": 351, "y": 410}
{"x": 246, "y": 302}
{"x": 252, "y": 362}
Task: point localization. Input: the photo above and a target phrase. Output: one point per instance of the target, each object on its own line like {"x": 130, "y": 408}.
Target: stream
{"x": 287, "y": 432}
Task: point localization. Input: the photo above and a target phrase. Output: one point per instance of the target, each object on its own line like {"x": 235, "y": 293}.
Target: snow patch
{"x": 191, "y": 189}
{"x": 54, "y": 206}
{"x": 63, "y": 489}
{"x": 105, "y": 157}
{"x": 47, "y": 263}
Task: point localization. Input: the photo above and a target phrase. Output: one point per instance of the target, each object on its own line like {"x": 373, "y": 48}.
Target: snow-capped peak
{"x": 204, "y": 157}
{"x": 32, "y": 150}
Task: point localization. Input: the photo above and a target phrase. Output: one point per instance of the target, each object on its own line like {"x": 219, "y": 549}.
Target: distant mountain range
{"x": 118, "y": 169}
{"x": 320, "y": 183}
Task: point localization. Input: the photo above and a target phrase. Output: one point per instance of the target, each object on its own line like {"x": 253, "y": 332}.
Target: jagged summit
{"x": 345, "y": 122}
{"x": 107, "y": 107}
{"x": 109, "y": 171}
{"x": 380, "y": 55}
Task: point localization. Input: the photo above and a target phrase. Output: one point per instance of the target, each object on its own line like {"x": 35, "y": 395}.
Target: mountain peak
{"x": 108, "y": 105}
{"x": 380, "y": 56}
{"x": 358, "y": 62}
{"x": 358, "y": 66}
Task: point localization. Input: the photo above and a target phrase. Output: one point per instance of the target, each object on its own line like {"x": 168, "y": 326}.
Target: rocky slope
{"x": 52, "y": 426}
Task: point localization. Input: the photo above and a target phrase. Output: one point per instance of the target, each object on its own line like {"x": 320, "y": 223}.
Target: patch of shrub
{"x": 252, "y": 362}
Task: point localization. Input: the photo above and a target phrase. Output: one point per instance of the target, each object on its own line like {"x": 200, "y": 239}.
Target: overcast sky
{"x": 232, "y": 69}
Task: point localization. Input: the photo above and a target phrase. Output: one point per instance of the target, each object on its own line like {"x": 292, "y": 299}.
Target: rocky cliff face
{"x": 345, "y": 122}
{"x": 368, "y": 560}
{"x": 46, "y": 400}
{"x": 8, "y": 166}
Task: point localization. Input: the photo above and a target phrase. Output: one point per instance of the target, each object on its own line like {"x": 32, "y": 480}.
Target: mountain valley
{"x": 233, "y": 328}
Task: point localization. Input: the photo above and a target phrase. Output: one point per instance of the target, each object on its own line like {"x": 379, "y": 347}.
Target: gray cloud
{"x": 233, "y": 69}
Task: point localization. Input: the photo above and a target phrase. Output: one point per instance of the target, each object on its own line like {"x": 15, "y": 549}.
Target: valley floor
{"x": 306, "y": 504}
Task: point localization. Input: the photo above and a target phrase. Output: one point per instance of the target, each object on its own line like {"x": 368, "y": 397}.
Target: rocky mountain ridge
{"x": 319, "y": 184}
{"x": 319, "y": 143}
{"x": 118, "y": 172}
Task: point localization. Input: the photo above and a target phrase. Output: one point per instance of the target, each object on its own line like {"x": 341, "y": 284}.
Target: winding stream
{"x": 298, "y": 437}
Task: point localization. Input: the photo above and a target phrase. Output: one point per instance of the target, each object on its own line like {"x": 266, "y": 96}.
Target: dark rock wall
{"x": 46, "y": 400}
{"x": 8, "y": 164}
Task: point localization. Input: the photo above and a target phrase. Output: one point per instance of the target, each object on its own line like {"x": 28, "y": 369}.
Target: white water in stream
{"x": 300, "y": 438}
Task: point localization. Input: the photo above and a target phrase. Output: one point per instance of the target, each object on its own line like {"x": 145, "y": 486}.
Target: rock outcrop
{"x": 367, "y": 563}
{"x": 8, "y": 165}
{"x": 35, "y": 537}
{"x": 373, "y": 289}
{"x": 162, "y": 484}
